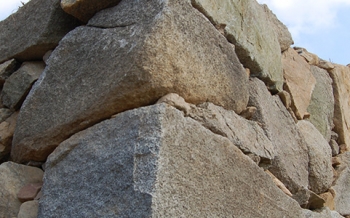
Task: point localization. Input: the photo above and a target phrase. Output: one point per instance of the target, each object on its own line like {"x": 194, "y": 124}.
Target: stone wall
{"x": 168, "y": 108}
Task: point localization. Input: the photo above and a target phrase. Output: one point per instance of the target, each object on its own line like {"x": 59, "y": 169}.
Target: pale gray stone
{"x": 126, "y": 57}
{"x": 291, "y": 162}
{"x": 334, "y": 146}
{"x": 342, "y": 185}
{"x": 321, "y": 106}
{"x": 154, "y": 162}
{"x": 12, "y": 178}
{"x": 245, "y": 134}
{"x": 19, "y": 83}
{"x": 322, "y": 213}
{"x": 320, "y": 158}
{"x": 34, "y": 29}
{"x": 252, "y": 29}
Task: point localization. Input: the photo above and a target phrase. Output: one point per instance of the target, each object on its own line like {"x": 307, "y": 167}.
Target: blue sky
{"x": 322, "y": 26}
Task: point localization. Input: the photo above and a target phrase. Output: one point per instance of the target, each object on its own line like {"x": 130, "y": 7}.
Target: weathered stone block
{"x": 291, "y": 161}
{"x": 128, "y": 56}
{"x": 19, "y": 83}
{"x": 299, "y": 81}
{"x": 254, "y": 32}
{"x": 34, "y": 29}
{"x": 154, "y": 162}
{"x": 320, "y": 158}
{"x": 341, "y": 86}
{"x": 321, "y": 107}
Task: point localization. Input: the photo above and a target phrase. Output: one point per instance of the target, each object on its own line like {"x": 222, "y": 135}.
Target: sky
{"x": 320, "y": 26}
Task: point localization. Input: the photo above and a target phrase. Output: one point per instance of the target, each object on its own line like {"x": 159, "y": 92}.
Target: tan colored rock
{"x": 248, "y": 113}
{"x": 176, "y": 101}
{"x": 285, "y": 98}
{"x": 145, "y": 49}
{"x": 12, "y": 178}
{"x": 299, "y": 81}
{"x": 7, "y": 129}
{"x": 85, "y": 9}
{"x": 341, "y": 88}
{"x": 252, "y": 28}
{"x": 329, "y": 200}
{"x": 29, "y": 209}
{"x": 311, "y": 58}
{"x": 325, "y": 65}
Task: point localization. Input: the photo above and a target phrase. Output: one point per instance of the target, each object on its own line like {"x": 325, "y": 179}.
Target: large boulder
{"x": 6, "y": 69}
{"x": 290, "y": 164}
{"x": 19, "y": 83}
{"x": 85, "y": 9}
{"x": 320, "y": 158}
{"x": 254, "y": 31}
{"x": 34, "y": 29}
{"x": 321, "y": 107}
{"x": 154, "y": 162}
{"x": 341, "y": 86}
{"x": 128, "y": 56}
{"x": 299, "y": 81}
{"x": 12, "y": 178}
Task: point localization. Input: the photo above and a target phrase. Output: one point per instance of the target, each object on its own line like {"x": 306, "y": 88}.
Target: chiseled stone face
{"x": 126, "y": 57}
{"x": 154, "y": 162}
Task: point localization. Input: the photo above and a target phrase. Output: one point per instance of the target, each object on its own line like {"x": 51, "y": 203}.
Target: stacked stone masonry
{"x": 168, "y": 108}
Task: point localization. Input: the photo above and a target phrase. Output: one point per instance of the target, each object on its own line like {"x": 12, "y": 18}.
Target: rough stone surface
{"x": 4, "y": 114}
{"x": 19, "y": 83}
{"x": 322, "y": 213}
{"x": 321, "y": 106}
{"x": 42, "y": 23}
{"x": 12, "y": 178}
{"x": 309, "y": 57}
{"x": 176, "y": 101}
{"x": 248, "y": 26}
{"x": 29, "y": 192}
{"x": 283, "y": 35}
{"x": 299, "y": 81}
{"x": 291, "y": 162}
{"x": 329, "y": 200}
{"x": 308, "y": 199}
{"x": 6, "y": 69}
{"x": 341, "y": 86}
{"x": 85, "y": 9}
{"x": 325, "y": 65}
{"x": 334, "y": 146}
{"x": 320, "y": 156}
{"x": 342, "y": 185}
{"x": 154, "y": 162}
{"x": 245, "y": 134}
{"x": 129, "y": 56}
{"x": 29, "y": 209}
{"x": 7, "y": 128}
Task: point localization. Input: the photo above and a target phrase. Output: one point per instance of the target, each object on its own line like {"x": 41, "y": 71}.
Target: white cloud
{"x": 7, "y": 7}
{"x": 306, "y": 16}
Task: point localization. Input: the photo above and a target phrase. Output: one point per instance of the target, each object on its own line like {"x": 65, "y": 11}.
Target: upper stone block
{"x": 127, "y": 57}
{"x": 85, "y": 9}
{"x": 254, "y": 31}
{"x": 34, "y": 29}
